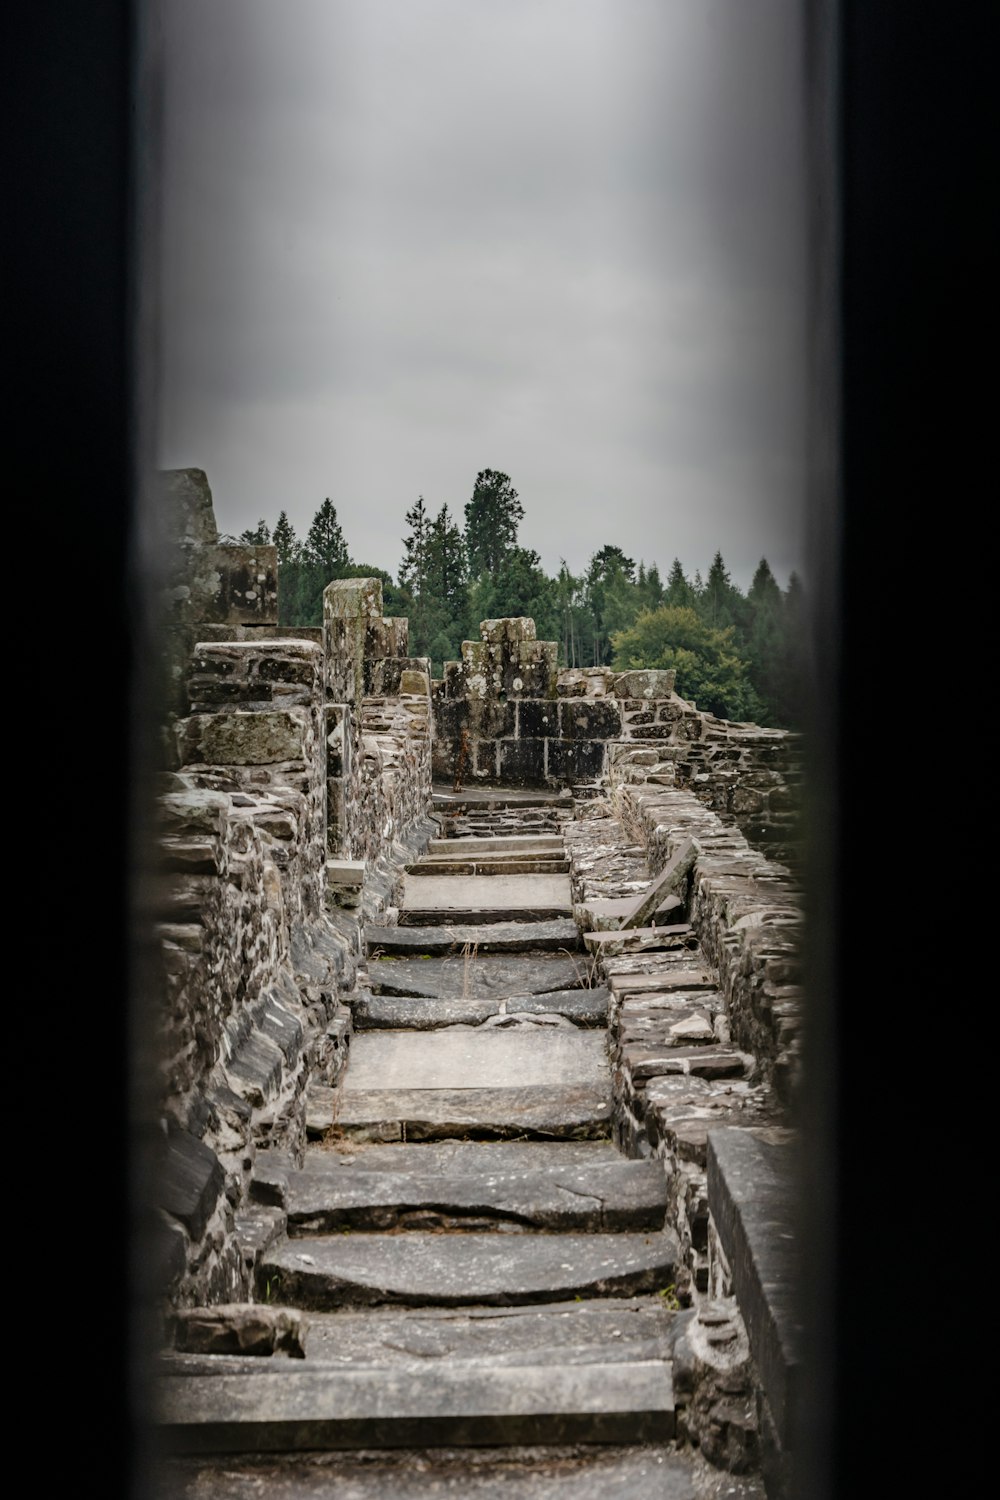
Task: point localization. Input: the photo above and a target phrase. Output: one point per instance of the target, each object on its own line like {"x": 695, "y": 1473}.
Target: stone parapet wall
{"x": 745, "y": 910}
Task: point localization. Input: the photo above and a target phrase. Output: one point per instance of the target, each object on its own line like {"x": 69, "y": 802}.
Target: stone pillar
{"x": 256, "y": 724}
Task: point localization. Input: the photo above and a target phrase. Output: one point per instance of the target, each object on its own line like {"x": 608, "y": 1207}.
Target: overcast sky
{"x": 406, "y": 240}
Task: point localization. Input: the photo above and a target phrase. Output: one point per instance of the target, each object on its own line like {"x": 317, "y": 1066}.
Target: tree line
{"x": 738, "y": 655}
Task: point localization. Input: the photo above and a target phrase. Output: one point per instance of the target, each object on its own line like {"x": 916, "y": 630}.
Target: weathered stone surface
{"x": 328, "y": 1408}
{"x": 422, "y": 1013}
{"x": 490, "y": 898}
{"x": 600, "y": 1472}
{"x": 551, "y": 1111}
{"x": 645, "y": 684}
{"x": 497, "y": 977}
{"x": 670, "y": 881}
{"x": 491, "y": 937}
{"x": 606, "y": 914}
{"x": 483, "y": 1192}
{"x": 751, "y": 1195}
{"x": 242, "y": 738}
{"x": 240, "y": 1329}
{"x": 468, "y": 1269}
{"x": 476, "y": 1059}
{"x": 190, "y": 1181}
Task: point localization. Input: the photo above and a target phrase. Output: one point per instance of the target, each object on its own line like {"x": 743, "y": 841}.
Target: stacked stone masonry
{"x": 301, "y": 784}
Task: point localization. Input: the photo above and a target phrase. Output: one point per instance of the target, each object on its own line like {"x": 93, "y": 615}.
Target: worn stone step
{"x": 604, "y": 1330}
{"x": 486, "y": 1186}
{"x": 493, "y": 937}
{"x": 606, "y": 1471}
{"x": 433, "y": 899}
{"x": 558, "y": 1112}
{"x": 476, "y": 1058}
{"x": 510, "y": 843}
{"x": 498, "y": 799}
{"x": 469, "y": 865}
{"x": 496, "y": 977}
{"x": 323, "y": 1408}
{"x": 426, "y": 1013}
{"x": 456, "y": 1270}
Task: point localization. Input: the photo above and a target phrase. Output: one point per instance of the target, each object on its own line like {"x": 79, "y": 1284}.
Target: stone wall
{"x": 259, "y": 932}
{"x": 506, "y": 715}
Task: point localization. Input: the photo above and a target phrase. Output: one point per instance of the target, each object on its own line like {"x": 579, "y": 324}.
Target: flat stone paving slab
{"x": 483, "y": 1190}
{"x": 497, "y": 976}
{"x": 609, "y": 1472}
{"x": 387, "y": 1011}
{"x": 394, "y": 1407}
{"x": 456, "y": 1270}
{"x": 491, "y": 898}
{"x": 561, "y": 935}
{"x": 476, "y": 1059}
{"x": 558, "y": 1112}
{"x": 509, "y": 843}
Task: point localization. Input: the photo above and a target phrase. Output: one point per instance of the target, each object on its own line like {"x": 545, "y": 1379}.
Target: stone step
{"x": 323, "y": 1408}
{"x": 491, "y": 864}
{"x": 567, "y": 1112}
{"x": 462, "y": 1270}
{"x": 582, "y": 1007}
{"x": 492, "y": 978}
{"x": 433, "y": 899}
{"x": 648, "y": 1471}
{"x": 493, "y": 937}
{"x": 485, "y": 1186}
{"x": 511, "y": 843}
{"x": 473, "y": 1058}
{"x": 498, "y": 799}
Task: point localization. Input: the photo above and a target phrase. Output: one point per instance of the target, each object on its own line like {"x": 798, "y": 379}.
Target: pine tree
{"x": 325, "y": 549}
{"x": 491, "y": 521}
{"x": 284, "y": 539}
{"x": 256, "y": 536}
{"x": 679, "y": 593}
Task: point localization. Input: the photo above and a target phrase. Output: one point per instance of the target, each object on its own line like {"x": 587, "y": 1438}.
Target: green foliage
{"x": 256, "y": 536}
{"x": 492, "y": 517}
{"x": 709, "y": 672}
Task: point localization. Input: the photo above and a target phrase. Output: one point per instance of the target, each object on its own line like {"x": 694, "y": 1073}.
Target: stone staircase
{"x": 479, "y": 1266}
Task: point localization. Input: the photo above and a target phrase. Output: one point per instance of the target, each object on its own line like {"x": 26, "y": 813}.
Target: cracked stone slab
{"x": 475, "y": 1059}
{"x": 327, "y": 1408}
{"x": 552, "y": 1111}
{"x": 546, "y": 1194}
{"x": 499, "y": 976}
{"x": 486, "y": 937}
{"x": 392, "y": 1012}
{"x": 455, "y": 1270}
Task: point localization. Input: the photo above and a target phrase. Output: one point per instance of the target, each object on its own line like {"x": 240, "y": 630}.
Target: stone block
{"x": 592, "y": 719}
{"x": 576, "y": 760}
{"x": 353, "y": 599}
{"x": 528, "y": 679}
{"x": 648, "y": 683}
{"x": 512, "y": 628}
{"x": 413, "y": 681}
{"x": 386, "y": 638}
{"x": 246, "y": 586}
{"x": 243, "y": 739}
{"x": 537, "y": 717}
{"x": 186, "y": 505}
{"x": 522, "y": 761}
{"x": 190, "y": 1181}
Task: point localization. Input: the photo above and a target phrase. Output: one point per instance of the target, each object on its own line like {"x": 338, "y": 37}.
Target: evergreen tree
{"x": 764, "y": 640}
{"x": 611, "y": 599}
{"x": 284, "y": 539}
{"x": 442, "y": 622}
{"x": 325, "y": 549}
{"x": 256, "y": 536}
{"x": 413, "y": 575}
{"x": 679, "y": 591}
{"x": 719, "y": 601}
{"x": 491, "y": 521}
